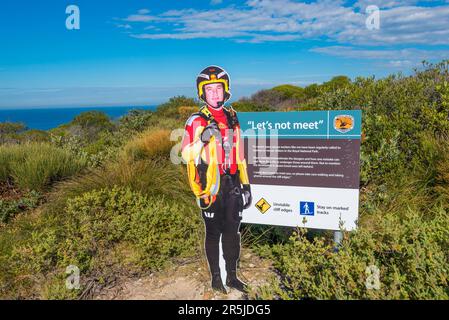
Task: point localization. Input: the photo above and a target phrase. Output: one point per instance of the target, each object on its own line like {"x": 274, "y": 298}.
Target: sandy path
{"x": 187, "y": 282}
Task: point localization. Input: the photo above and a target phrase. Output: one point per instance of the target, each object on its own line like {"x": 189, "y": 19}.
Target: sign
{"x": 303, "y": 168}
{"x": 263, "y": 205}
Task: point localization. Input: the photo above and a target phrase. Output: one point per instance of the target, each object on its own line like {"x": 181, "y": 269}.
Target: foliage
{"x": 170, "y": 108}
{"x": 10, "y": 131}
{"x": 98, "y": 222}
{"x": 11, "y": 127}
{"x": 247, "y": 105}
{"x": 290, "y": 92}
{"x": 35, "y": 166}
{"x": 9, "y": 208}
{"x": 407, "y": 245}
{"x": 151, "y": 144}
{"x": 136, "y": 120}
{"x": 91, "y": 119}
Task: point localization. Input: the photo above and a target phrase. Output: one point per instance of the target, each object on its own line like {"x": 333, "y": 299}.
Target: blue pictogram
{"x": 307, "y": 208}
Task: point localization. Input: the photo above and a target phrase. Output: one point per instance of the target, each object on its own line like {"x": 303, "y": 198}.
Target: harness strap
{"x": 206, "y": 114}
{"x": 232, "y": 120}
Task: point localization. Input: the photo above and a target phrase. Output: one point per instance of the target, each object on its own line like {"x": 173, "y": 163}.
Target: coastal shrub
{"x": 271, "y": 99}
{"x": 91, "y": 119}
{"x": 9, "y": 208}
{"x": 185, "y": 111}
{"x": 408, "y": 245}
{"x": 9, "y": 154}
{"x": 35, "y": 166}
{"x": 150, "y": 177}
{"x": 135, "y": 120}
{"x": 92, "y": 225}
{"x": 150, "y": 145}
{"x": 35, "y": 136}
{"x": 11, "y": 127}
{"x": 247, "y": 105}
{"x": 159, "y": 229}
{"x": 89, "y": 125}
{"x": 311, "y": 91}
{"x": 290, "y": 92}
{"x": 170, "y": 108}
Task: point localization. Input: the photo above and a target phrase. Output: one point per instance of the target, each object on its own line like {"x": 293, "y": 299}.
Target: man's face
{"x": 214, "y": 94}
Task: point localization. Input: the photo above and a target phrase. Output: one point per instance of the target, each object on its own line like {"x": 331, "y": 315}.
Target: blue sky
{"x": 143, "y": 52}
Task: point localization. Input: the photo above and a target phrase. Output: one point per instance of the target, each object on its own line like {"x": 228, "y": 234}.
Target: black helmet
{"x": 213, "y": 74}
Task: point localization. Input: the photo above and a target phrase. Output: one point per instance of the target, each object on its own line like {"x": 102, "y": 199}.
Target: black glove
{"x": 209, "y": 131}
{"x": 247, "y": 196}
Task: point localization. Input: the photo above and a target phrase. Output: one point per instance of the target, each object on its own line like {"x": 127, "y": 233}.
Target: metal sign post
{"x": 338, "y": 238}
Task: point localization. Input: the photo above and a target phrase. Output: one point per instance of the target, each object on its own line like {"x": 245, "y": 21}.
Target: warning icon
{"x": 263, "y": 205}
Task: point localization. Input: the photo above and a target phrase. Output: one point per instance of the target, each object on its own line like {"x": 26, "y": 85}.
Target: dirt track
{"x": 190, "y": 282}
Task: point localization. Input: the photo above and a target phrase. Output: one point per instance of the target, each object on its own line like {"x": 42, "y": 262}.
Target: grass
{"x": 150, "y": 144}
{"x": 35, "y": 166}
{"x": 135, "y": 202}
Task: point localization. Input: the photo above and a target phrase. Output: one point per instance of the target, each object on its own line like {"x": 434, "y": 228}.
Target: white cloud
{"x": 362, "y": 4}
{"x": 125, "y": 26}
{"x": 397, "y": 58}
{"x": 187, "y": 35}
{"x": 139, "y": 17}
{"x": 403, "y": 25}
{"x": 402, "y": 22}
{"x": 215, "y": 2}
{"x": 143, "y": 11}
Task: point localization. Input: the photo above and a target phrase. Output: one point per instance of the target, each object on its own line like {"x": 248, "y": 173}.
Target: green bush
{"x": 152, "y": 144}
{"x": 35, "y": 136}
{"x": 91, "y": 119}
{"x": 8, "y": 156}
{"x": 336, "y": 83}
{"x": 10, "y": 208}
{"x": 11, "y": 132}
{"x": 311, "y": 91}
{"x": 136, "y": 120}
{"x": 410, "y": 253}
{"x": 247, "y": 105}
{"x": 170, "y": 108}
{"x": 291, "y": 92}
{"x": 88, "y": 126}
{"x": 158, "y": 229}
{"x": 11, "y": 127}
{"x": 93, "y": 225}
{"x": 35, "y": 166}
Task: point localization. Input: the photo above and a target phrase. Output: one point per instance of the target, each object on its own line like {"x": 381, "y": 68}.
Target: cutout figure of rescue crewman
{"x": 216, "y": 167}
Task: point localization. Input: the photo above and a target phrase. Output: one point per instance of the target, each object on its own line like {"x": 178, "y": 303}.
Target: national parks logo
{"x": 344, "y": 123}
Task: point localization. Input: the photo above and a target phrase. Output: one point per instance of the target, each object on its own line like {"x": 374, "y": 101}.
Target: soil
{"x": 190, "y": 281}
{"x": 8, "y": 192}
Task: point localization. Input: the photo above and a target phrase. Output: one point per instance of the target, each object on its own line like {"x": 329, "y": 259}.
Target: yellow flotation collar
{"x": 208, "y": 192}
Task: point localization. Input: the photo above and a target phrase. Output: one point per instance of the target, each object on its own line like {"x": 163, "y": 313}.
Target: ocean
{"x": 44, "y": 119}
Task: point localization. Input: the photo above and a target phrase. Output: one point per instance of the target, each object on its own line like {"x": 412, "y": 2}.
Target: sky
{"x": 144, "y": 52}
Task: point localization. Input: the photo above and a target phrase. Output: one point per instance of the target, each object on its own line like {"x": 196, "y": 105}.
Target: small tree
{"x": 11, "y": 127}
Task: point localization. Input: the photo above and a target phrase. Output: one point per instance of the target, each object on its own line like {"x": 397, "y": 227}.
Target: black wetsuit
{"x": 222, "y": 219}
